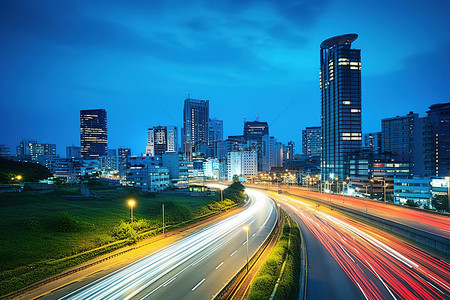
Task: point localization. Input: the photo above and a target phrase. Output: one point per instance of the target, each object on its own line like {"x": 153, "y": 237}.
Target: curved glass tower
{"x": 340, "y": 86}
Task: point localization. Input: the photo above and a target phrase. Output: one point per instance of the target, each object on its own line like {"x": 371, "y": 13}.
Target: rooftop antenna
{"x": 189, "y": 95}
{"x": 257, "y": 119}
{"x": 244, "y": 119}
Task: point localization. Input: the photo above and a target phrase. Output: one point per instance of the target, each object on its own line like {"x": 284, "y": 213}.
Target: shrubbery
{"x": 264, "y": 282}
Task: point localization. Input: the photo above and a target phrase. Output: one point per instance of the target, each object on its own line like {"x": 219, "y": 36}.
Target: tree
{"x": 235, "y": 178}
{"x": 440, "y": 202}
{"x": 411, "y": 203}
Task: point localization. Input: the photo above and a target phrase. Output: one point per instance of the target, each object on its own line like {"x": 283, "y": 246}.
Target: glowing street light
{"x": 247, "y": 229}
{"x": 19, "y": 177}
{"x": 131, "y": 203}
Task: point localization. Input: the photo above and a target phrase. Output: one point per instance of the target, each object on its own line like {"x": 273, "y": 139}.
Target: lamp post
{"x": 131, "y": 203}
{"x": 247, "y": 229}
{"x": 366, "y": 186}
{"x": 279, "y": 209}
{"x": 221, "y": 194}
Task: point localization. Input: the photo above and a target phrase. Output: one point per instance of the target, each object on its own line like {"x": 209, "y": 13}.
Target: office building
{"x": 243, "y": 163}
{"x": 38, "y": 152}
{"x": 195, "y": 126}
{"x": 290, "y": 150}
{"x": 340, "y": 86}
{"x": 93, "y": 133}
{"x": 372, "y": 142}
{"x": 73, "y": 152}
{"x": 146, "y": 174}
{"x": 123, "y": 154}
{"x": 414, "y": 189}
{"x": 437, "y": 140}
{"x": 215, "y": 131}
{"x": 161, "y": 139}
{"x": 181, "y": 171}
{"x": 312, "y": 141}
{"x": 5, "y": 151}
{"x": 255, "y": 130}
{"x": 403, "y": 136}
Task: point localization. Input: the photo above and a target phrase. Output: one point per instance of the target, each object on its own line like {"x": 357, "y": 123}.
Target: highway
{"x": 379, "y": 265}
{"x": 196, "y": 267}
{"x": 422, "y": 220}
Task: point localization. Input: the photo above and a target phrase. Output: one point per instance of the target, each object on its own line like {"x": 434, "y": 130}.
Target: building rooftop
{"x": 338, "y": 40}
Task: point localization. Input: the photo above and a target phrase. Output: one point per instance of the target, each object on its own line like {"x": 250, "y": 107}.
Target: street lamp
{"x": 279, "y": 209}
{"x": 19, "y": 177}
{"x": 131, "y": 203}
{"x": 221, "y": 194}
{"x": 247, "y": 229}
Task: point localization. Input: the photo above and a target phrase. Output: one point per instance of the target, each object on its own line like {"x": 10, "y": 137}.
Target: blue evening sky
{"x": 139, "y": 59}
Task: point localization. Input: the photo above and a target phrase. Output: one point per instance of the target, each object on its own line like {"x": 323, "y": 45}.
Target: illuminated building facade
{"x": 312, "y": 141}
{"x": 93, "y": 133}
{"x": 161, "y": 139}
{"x": 340, "y": 86}
{"x": 195, "y": 126}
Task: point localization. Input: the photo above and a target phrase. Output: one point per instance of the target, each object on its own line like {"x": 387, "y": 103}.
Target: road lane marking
{"x": 169, "y": 281}
{"x": 244, "y": 243}
{"x": 233, "y": 253}
{"x": 198, "y": 284}
{"x": 253, "y": 234}
{"x": 219, "y": 265}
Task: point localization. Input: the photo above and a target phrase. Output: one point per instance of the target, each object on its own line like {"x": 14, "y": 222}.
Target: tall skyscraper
{"x": 312, "y": 141}
{"x": 161, "y": 139}
{"x": 93, "y": 133}
{"x": 195, "y": 126}
{"x": 340, "y": 86}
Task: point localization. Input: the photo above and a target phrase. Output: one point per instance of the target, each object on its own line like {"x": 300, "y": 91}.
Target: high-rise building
{"x": 215, "y": 132}
{"x": 312, "y": 141}
{"x": 403, "y": 136}
{"x": 93, "y": 133}
{"x": 122, "y": 159}
{"x": 161, "y": 139}
{"x": 290, "y": 150}
{"x": 195, "y": 126}
{"x": 255, "y": 130}
{"x": 437, "y": 140}
{"x": 73, "y": 152}
{"x": 340, "y": 86}
{"x": 372, "y": 142}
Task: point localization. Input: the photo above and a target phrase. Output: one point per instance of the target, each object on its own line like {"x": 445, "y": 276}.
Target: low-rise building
{"x": 415, "y": 189}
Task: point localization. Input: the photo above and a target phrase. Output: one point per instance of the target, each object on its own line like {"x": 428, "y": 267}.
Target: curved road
{"x": 433, "y": 223}
{"x": 196, "y": 267}
{"x": 378, "y": 265}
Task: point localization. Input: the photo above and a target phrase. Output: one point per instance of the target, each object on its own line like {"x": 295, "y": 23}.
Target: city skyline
{"x": 59, "y": 67}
